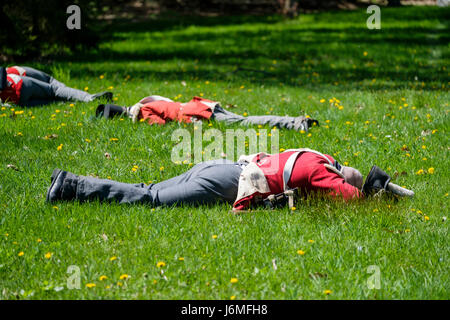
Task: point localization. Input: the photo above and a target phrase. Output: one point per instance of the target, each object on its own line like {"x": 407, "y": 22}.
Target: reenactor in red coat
{"x": 160, "y": 110}
{"x": 27, "y": 87}
{"x": 254, "y": 180}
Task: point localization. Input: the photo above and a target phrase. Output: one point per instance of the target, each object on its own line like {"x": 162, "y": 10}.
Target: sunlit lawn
{"x": 381, "y": 98}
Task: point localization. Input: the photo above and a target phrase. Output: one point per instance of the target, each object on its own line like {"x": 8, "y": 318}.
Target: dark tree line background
{"x": 31, "y": 29}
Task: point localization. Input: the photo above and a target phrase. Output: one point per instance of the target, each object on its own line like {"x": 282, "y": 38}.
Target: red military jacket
{"x": 16, "y": 70}
{"x": 162, "y": 111}
{"x": 308, "y": 174}
{"x": 14, "y": 86}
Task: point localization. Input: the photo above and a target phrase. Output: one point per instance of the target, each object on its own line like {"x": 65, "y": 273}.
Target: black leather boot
{"x": 109, "y": 110}
{"x": 63, "y": 186}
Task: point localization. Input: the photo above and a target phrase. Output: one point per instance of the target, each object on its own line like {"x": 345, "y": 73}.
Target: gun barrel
{"x": 396, "y": 189}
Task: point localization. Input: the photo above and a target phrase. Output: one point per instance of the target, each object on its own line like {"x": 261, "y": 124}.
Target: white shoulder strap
{"x": 287, "y": 170}
{"x": 289, "y": 166}
{"x": 313, "y": 151}
{"x": 211, "y": 105}
{"x": 154, "y": 98}
{"x": 21, "y": 70}
{"x": 14, "y": 77}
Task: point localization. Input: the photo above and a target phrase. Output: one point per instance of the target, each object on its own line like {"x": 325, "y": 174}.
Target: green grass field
{"x": 393, "y": 91}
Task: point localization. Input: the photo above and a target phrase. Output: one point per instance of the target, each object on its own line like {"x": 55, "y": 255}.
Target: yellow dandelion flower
{"x": 86, "y": 88}
{"x": 59, "y": 148}
{"x": 181, "y": 258}
{"x": 90, "y": 285}
{"x": 301, "y": 252}
{"x": 233, "y": 280}
{"x": 293, "y": 208}
{"x": 124, "y": 276}
{"x": 48, "y": 255}
{"x": 214, "y": 236}
{"x": 87, "y": 140}
{"x": 322, "y": 100}
{"x": 113, "y": 139}
{"x": 103, "y": 278}
{"x": 430, "y": 170}
{"x": 161, "y": 264}
{"x": 119, "y": 283}
{"x": 161, "y": 168}
{"x": 39, "y": 240}
{"x": 420, "y": 172}
{"x": 232, "y": 297}
{"x": 327, "y": 292}
{"x": 245, "y": 114}
{"x": 20, "y": 253}
{"x": 113, "y": 258}
{"x": 426, "y": 218}
{"x": 311, "y": 241}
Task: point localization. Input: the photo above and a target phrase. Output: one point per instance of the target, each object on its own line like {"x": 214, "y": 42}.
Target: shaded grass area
{"x": 392, "y": 87}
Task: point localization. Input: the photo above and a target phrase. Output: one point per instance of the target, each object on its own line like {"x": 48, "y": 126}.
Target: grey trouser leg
{"x": 42, "y": 76}
{"x": 295, "y": 123}
{"x": 35, "y": 92}
{"x": 38, "y": 85}
{"x": 36, "y": 74}
{"x": 62, "y": 92}
{"x": 207, "y": 182}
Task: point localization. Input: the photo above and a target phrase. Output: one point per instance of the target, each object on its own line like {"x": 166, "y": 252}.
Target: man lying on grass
{"x": 249, "y": 182}
{"x": 159, "y": 110}
{"x": 28, "y": 87}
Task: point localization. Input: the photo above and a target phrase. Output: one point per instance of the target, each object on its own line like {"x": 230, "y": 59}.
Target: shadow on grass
{"x": 268, "y": 50}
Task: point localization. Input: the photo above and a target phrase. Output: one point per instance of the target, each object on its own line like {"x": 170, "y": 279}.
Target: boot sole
{"x": 55, "y": 173}
{"x": 53, "y": 178}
